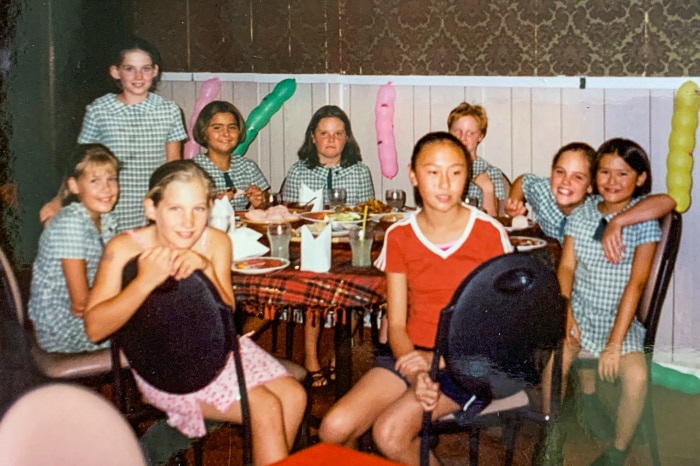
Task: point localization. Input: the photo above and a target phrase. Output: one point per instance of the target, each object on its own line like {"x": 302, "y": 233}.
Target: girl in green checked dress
{"x": 603, "y": 296}
{"x": 143, "y": 129}
{"x": 69, "y": 252}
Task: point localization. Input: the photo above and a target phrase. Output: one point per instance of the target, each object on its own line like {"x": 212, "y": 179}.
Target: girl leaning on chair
{"x": 176, "y": 243}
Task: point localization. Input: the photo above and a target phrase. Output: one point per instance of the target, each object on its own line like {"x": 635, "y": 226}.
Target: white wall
{"x": 529, "y": 119}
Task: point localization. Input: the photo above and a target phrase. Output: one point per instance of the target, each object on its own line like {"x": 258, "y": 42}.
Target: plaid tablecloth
{"x": 344, "y": 286}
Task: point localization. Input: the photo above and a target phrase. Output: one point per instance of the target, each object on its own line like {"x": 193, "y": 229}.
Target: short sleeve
{"x": 395, "y": 261}
{"x": 65, "y": 238}
{"x": 90, "y": 131}
{"x": 177, "y": 129}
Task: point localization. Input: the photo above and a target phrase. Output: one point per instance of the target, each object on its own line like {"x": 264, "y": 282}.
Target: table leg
{"x": 343, "y": 352}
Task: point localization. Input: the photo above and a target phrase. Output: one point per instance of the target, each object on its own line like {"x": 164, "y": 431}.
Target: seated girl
{"x": 176, "y": 243}
{"x": 420, "y": 257}
{"x": 553, "y": 199}
{"x": 220, "y": 127}
{"x": 69, "y": 251}
{"x": 603, "y": 296}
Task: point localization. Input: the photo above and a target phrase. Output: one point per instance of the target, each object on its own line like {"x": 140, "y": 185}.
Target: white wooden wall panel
{"x": 527, "y": 124}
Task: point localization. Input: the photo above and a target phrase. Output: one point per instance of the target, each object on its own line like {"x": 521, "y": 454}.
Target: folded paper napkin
{"x": 306, "y": 194}
{"x": 316, "y": 251}
{"x": 222, "y": 214}
{"x": 245, "y": 243}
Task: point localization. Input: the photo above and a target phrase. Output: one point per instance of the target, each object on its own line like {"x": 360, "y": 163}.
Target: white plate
{"x": 530, "y": 224}
{"x": 259, "y": 265}
{"x": 528, "y": 243}
{"x": 326, "y": 216}
{"x": 399, "y": 216}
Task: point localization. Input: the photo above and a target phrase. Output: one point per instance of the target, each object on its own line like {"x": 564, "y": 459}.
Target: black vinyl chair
{"x": 194, "y": 343}
{"x": 89, "y": 367}
{"x": 503, "y": 325}
{"x": 649, "y": 313}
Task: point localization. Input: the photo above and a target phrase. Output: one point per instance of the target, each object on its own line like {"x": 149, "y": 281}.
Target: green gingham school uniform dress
{"x": 71, "y": 234}
{"x": 356, "y": 179}
{"x": 599, "y": 284}
{"x": 495, "y": 174}
{"x": 538, "y": 193}
{"x": 137, "y": 134}
{"x": 242, "y": 172}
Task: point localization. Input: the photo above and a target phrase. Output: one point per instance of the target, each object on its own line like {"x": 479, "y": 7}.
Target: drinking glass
{"x": 335, "y": 197}
{"x": 279, "y": 235}
{"x": 274, "y": 199}
{"x": 361, "y": 246}
{"x": 395, "y": 198}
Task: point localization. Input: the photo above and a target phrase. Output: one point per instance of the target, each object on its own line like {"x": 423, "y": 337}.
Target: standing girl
{"x": 603, "y": 296}
{"x": 220, "y": 127}
{"x": 69, "y": 251}
{"x": 175, "y": 244}
{"x": 419, "y": 257}
{"x": 553, "y": 199}
{"x": 142, "y": 128}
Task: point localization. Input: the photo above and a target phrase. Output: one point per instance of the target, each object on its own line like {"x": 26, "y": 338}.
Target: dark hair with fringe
{"x": 129, "y": 44}
{"x": 437, "y": 137}
{"x": 633, "y": 154}
{"x": 351, "y": 151}
{"x": 199, "y": 132}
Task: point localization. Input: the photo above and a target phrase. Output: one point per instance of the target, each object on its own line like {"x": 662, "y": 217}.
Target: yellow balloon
{"x": 683, "y": 141}
{"x": 679, "y": 161}
{"x": 688, "y": 95}
{"x": 676, "y": 179}
{"x": 684, "y": 120}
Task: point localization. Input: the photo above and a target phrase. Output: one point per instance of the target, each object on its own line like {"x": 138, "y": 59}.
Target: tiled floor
{"x": 677, "y": 415}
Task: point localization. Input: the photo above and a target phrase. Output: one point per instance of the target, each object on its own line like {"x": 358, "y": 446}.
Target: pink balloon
{"x": 210, "y": 89}
{"x": 384, "y": 124}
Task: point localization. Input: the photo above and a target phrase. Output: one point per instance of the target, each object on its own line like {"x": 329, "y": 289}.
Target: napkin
{"x": 306, "y": 194}
{"x": 221, "y": 214}
{"x": 245, "y": 243}
{"x": 316, "y": 251}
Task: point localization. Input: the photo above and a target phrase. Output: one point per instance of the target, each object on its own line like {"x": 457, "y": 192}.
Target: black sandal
{"x": 318, "y": 379}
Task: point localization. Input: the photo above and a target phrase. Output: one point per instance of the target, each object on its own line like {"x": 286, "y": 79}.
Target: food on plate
{"x": 391, "y": 218}
{"x": 519, "y": 221}
{"x": 278, "y": 213}
{"x": 258, "y": 263}
{"x": 374, "y": 206}
{"x": 344, "y": 217}
{"x": 522, "y": 241}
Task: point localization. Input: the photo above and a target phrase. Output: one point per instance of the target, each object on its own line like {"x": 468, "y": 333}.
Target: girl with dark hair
{"x": 220, "y": 127}
{"x": 330, "y": 158}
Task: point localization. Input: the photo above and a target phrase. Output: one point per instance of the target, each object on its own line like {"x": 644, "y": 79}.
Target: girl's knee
{"x": 388, "y": 439}
{"x": 336, "y": 427}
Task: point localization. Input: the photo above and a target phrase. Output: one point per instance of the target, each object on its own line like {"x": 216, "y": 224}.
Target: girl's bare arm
{"x": 173, "y": 151}
{"x": 75, "y": 272}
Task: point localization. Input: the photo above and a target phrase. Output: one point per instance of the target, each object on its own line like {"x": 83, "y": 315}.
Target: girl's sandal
{"x": 318, "y": 379}
{"x": 331, "y": 371}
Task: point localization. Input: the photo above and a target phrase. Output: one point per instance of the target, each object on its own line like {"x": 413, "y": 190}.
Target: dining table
{"x": 341, "y": 292}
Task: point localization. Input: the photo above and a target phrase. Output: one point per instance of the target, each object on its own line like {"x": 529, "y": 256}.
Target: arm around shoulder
{"x": 652, "y": 207}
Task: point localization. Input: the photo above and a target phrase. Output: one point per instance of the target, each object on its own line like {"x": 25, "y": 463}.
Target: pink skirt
{"x": 184, "y": 412}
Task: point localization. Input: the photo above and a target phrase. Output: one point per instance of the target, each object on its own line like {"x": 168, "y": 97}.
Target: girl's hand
{"x": 185, "y": 262}
{"x": 515, "y": 207}
{"x": 255, "y": 196}
{"x": 613, "y": 247}
{"x": 155, "y": 265}
{"x": 609, "y": 362}
{"x": 427, "y": 392}
{"x": 411, "y": 363}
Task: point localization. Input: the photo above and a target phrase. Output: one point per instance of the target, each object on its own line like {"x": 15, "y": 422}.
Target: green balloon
{"x": 260, "y": 115}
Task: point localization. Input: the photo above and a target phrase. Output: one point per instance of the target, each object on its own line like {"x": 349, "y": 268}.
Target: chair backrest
{"x": 11, "y": 289}
{"x": 64, "y": 424}
{"x": 187, "y": 325}
{"x": 504, "y": 319}
{"x": 652, "y": 300}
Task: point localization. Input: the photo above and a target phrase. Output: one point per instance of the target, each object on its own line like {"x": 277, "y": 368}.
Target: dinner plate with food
{"x": 527, "y": 243}
{"x": 338, "y": 220}
{"x": 516, "y": 223}
{"x": 275, "y": 214}
{"x": 259, "y": 265}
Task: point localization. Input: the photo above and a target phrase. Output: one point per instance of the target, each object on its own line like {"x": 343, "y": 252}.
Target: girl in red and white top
{"x": 425, "y": 258}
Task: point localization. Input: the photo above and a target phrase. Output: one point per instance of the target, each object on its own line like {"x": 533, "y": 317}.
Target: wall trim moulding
{"x": 571, "y": 82}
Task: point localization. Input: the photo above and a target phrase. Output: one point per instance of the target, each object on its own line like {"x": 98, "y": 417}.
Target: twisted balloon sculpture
{"x": 210, "y": 89}
{"x": 384, "y": 125}
{"x": 261, "y": 114}
{"x": 681, "y": 142}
